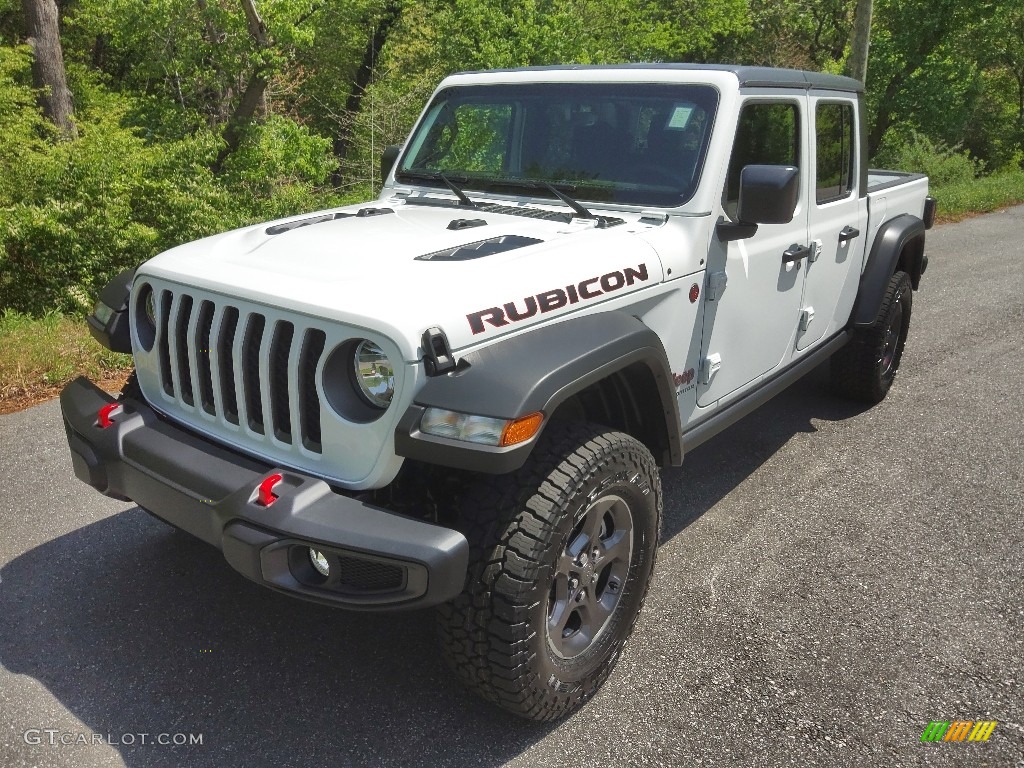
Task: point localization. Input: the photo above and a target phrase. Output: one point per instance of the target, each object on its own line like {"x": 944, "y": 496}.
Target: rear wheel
{"x": 865, "y": 368}
{"x": 561, "y": 557}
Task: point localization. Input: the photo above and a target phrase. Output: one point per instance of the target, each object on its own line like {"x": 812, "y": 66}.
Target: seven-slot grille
{"x": 240, "y": 366}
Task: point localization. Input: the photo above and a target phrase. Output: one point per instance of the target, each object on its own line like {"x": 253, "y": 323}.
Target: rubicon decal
{"x": 556, "y": 298}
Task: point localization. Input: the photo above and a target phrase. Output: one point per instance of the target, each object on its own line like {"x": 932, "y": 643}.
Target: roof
{"x": 750, "y": 77}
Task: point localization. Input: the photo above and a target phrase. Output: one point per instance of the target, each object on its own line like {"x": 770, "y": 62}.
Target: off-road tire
{"x": 865, "y": 368}
{"x": 520, "y": 527}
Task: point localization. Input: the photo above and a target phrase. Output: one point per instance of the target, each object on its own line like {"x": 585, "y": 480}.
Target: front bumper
{"x": 379, "y": 559}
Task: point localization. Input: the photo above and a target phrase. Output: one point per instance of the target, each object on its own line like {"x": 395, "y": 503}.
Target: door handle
{"x": 796, "y": 252}
{"x": 848, "y": 233}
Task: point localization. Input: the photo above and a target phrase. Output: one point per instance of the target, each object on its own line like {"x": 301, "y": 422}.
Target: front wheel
{"x": 562, "y": 553}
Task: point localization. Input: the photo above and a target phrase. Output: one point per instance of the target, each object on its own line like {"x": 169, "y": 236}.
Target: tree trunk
{"x": 860, "y": 41}
{"x": 252, "y": 97}
{"x": 48, "y": 64}
{"x": 255, "y": 89}
{"x": 343, "y": 140}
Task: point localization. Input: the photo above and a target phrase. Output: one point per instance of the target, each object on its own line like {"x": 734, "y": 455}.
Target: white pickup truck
{"x": 460, "y": 394}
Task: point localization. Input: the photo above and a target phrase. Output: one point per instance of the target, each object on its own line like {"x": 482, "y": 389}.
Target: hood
{"x": 400, "y": 268}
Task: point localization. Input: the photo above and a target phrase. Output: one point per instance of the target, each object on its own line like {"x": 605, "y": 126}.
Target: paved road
{"x": 831, "y": 580}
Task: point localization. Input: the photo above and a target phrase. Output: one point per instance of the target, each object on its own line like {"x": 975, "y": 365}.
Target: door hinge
{"x": 815, "y": 251}
{"x": 709, "y": 367}
{"x": 806, "y": 318}
{"x": 716, "y": 285}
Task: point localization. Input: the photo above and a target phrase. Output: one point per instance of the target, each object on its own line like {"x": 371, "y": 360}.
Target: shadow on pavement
{"x": 136, "y": 628}
{"x": 715, "y": 468}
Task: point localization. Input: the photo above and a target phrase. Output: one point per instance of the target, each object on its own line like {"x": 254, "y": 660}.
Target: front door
{"x": 752, "y": 293}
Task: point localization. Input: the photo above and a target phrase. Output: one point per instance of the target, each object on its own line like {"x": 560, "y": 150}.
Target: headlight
{"x": 485, "y": 430}
{"x": 374, "y": 374}
{"x": 145, "y": 315}
{"x": 150, "y": 306}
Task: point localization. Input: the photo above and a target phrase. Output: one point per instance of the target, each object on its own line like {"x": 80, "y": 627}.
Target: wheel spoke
{"x": 595, "y": 614}
{"x": 588, "y": 532}
{"x": 561, "y": 608}
{"x": 615, "y": 548}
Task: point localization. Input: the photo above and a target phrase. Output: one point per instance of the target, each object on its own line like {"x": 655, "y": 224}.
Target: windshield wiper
{"x": 437, "y": 176}
{"x": 578, "y": 208}
{"x": 576, "y": 205}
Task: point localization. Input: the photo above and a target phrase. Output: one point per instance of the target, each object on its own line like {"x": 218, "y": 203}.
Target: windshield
{"x": 630, "y": 143}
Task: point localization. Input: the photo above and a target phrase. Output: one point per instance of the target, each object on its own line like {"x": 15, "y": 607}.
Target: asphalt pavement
{"x": 831, "y": 579}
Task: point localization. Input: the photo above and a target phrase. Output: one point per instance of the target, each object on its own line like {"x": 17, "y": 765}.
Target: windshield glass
{"x": 637, "y": 144}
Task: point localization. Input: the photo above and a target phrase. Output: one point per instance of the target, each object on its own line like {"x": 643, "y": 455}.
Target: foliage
{"x": 158, "y": 87}
{"x": 988, "y": 193}
{"x": 941, "y": 163}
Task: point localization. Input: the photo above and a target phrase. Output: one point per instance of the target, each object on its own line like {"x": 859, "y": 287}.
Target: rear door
{"x": 837, "y": 217}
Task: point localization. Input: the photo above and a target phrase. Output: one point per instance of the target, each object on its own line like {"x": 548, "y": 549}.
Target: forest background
{"x": 129, "y": 126}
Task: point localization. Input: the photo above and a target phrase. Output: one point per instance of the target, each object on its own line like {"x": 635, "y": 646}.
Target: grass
{"x": 41, "y": 355}
{"x": 959, "y": 200}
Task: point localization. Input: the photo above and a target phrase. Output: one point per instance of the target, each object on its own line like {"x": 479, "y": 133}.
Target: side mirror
{"x": 768, "y": 195}
{"x": 388, "y": 159}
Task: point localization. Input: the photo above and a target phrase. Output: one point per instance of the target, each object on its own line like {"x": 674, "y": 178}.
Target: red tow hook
{"x": 104, "y": 414}
{"x": 266, "y": 490}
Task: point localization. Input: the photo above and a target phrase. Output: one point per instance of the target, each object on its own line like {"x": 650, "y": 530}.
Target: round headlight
{"x": 374, "y": 374}
{"x": 145, "y": 315}
{"x": 151, "y": 306}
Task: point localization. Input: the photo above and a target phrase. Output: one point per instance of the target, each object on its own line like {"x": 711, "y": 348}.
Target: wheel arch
{"x": 608, "y": 367}
{"x": 898, "y": 245}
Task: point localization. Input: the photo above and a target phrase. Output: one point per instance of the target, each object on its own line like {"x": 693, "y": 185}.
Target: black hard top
{"x": 750, "y": 77}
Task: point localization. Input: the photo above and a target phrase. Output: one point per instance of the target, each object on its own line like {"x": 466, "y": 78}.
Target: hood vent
{"x": 362, "y": 213}
{"x": 480, "y": 248}
{"x": 466, "y": 223}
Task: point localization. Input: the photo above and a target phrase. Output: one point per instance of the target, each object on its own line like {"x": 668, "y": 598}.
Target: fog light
{"x": 316, "y": 557}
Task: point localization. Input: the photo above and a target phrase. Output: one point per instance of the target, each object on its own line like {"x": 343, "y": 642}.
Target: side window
{"x": 767, "y": 134}
{"x": 834, "y": 141}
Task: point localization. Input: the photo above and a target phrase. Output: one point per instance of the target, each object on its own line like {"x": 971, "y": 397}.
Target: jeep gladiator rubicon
{"x": 460, "y": 394}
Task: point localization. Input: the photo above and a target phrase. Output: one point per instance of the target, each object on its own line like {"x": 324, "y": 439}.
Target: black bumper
{"x": 379, "y": 560}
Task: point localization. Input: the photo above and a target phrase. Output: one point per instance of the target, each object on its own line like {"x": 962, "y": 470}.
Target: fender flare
{"x": 892, "y": 239}
{"x": 114, "y": 334}
{"x": 537, "y": 371}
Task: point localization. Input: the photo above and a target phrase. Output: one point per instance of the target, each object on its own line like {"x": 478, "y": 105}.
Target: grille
{"x": 367, "y": 575}
{"x": 238, "y": 365}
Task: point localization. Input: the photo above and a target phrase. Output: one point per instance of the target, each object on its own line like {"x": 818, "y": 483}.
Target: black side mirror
{"x": 388, "y": 159}
{"x": 768, "y": 195}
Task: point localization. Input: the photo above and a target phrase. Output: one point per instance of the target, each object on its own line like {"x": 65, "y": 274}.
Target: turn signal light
{"x": 522, "y": 429}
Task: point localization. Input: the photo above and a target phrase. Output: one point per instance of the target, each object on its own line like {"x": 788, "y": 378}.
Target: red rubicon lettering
{"x": 514, "y": 314}
{"x": 551, "y": 300}
{"x": 585, "y": 292}
{"x": 494, "y": 316}
{"x": 556, "y": 298}
{"x": 640, "y": 273}
{"x": 612, "y": 281}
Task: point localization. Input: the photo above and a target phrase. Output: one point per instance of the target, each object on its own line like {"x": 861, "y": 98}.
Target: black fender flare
{"x": 114, "y": 334}
{"x": 892, "y": 239}
{"x": 537, "y": 371}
